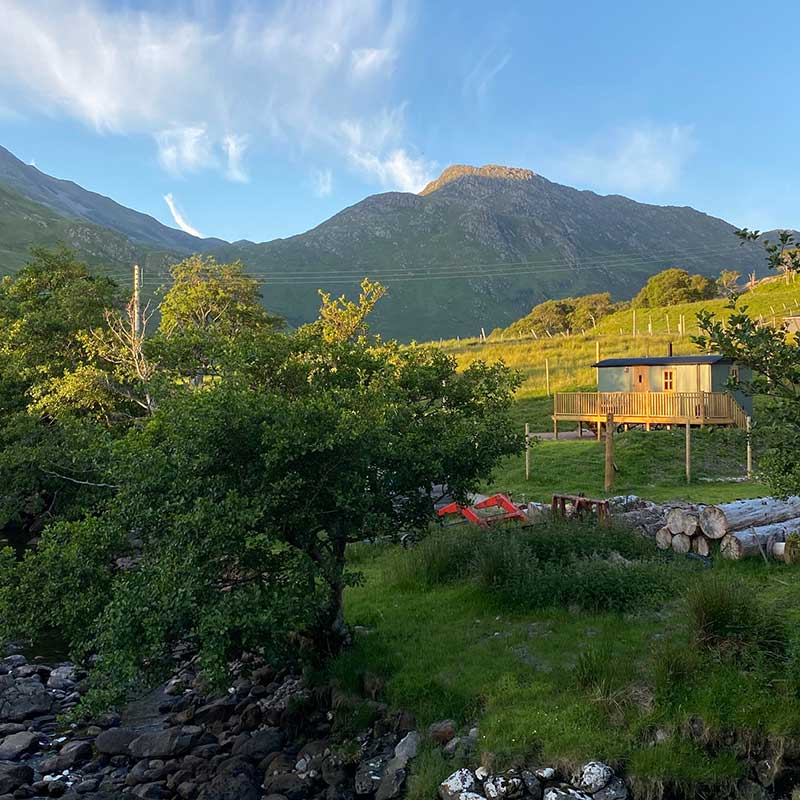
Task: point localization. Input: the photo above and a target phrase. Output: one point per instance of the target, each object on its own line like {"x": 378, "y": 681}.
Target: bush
{"x": 725, "y": 618}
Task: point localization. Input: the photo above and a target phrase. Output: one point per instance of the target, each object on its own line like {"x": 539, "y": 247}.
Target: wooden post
{"x": 609, "y": 481}
{"x": 137, "y": 307}
{"x": 634, "y": 323}
{"x": 483, "y": 335}
{"x": 748, "y": 426}
{"x": 597, "y": 361}
{"x": 555, "y": 428}
{"x": 668, "y": 330}
{"x": 688, "y": 451}
{"x": 527, "y": 452}
{"x": 547, "y": 375}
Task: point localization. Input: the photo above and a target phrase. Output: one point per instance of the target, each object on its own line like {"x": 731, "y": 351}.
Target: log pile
{"x": 742, "y": 529}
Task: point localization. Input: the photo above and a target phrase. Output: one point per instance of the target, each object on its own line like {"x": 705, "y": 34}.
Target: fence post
{"x": 527, "y": 451}
{"x": 609, "y": 481}
{"x": 547, "y": 375}
{"x": 748, "y": 427}
{"x": 688, "y": 451}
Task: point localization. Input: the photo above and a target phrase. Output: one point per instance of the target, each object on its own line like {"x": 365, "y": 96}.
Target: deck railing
{"x": 698, "y": 407}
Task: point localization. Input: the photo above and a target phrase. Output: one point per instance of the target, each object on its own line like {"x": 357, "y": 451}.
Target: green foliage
{"x": 674, "y": 286}
{"x": 726, "y": 620}
{"x": 570, "y": 314}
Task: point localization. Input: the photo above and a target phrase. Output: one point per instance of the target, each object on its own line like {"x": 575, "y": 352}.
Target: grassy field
{"x": 653, "y": 466}
{"x": 560, "y": 652}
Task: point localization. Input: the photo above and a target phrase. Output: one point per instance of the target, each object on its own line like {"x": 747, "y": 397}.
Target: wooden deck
{"x": 650, "y": 408}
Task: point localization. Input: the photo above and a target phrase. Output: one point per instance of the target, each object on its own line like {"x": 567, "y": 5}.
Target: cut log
{"x": 779, "y": 551}
{"x": 700, "y": 545}
{"x": 717, "y": 521}
{"x": 681, "y": 543}
{"x": 664, "y": 538}
{"x": 757, "y": 541}
{"x": 647, "y": 519}
{"x": 683, "y": 520}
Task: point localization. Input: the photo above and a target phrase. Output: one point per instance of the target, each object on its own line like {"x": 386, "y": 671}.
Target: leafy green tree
{"x": 728, "y": 283}
{"x": 589, "y": 309}
{"x": 237, "y": 499}
{"x": 674, "y": 286}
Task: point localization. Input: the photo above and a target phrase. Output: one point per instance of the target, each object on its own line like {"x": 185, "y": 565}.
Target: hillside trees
{"x": 570, "y": 314}
{"x": 674, "y": 286}
{"x": 227, "y": 508}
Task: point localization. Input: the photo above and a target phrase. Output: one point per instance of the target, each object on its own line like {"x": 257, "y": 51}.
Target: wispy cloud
{"x": 208, "y": 85}
{"x": 369, "y": 60}
{"x": 478, "y": 82}
{"x": 180, "y": 219}
{"x": 323, "y": 182}
{"x": 641, "y": 158}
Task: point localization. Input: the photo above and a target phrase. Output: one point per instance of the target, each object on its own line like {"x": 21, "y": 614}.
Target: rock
{"x": 115, "y": 741}
{"x": 460, "y": 782}
{"x": 595, "y": 776}
{"x": 545, "y": 774}
{"x": 7, "y": 728}
{"x": 258, "y": 745}
{"x": 211, "y": 713}
{"x": 63, "y": 678}
{"x": 533, "y": 786}
{"x": 168, "y": 743}
{"x": 407, "y": 748}
{"x": 501, "y": 787}
{"x": 71, "y": 755}
{"x": 57, "y": 788}
{"x": 13, "y": 747}
{"x": 236, "y": 779}
{"x": 24, "y": 698}
{"x": 87, "y": 786}
{"x": 565, "y": 792}
{"x": 442, "y": 732}
{"x": 12, "y": 776}
{"x": 187, "y": 790}
{"x": 750, "y": 790}
{"x": 369, "y": 774}
{"x": 287, "y": 784}
{"x": 616, "y": 790}
{"x": 149, "y": 791}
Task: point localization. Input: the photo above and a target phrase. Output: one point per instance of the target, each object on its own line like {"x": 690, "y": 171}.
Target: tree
{"x": 674, "y": 286}
{"x": 728, "y": 283}
{"x": 237, "y": 498}
{"x": 589, "y": 309}
{"x": 774, "y": 358}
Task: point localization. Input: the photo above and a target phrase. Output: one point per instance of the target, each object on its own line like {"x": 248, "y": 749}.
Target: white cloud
{"x": 323, "y": 182}
{"x": 478, "y": 82}
{"x": 184, "y": 149}
{"x": 234, "y": 147}
{"x": 203, "y": 80}
{"x": 644, "y": 158}
{"x": 367, "y": 60}
{"x": 180, "y": 219}
{"x": 396, "y": 170}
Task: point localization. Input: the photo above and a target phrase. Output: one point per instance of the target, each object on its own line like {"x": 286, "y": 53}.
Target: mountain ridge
{"x": 479, "y": 249}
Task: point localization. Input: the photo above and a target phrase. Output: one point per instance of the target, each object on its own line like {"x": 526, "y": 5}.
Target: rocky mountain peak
{"x": 496, "y": 171}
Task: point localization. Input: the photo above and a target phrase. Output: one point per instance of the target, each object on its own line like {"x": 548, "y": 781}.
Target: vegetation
{"x": 655, "y": 676}
{"x": 674, "y": 286}
{"x": 228, "y": 463}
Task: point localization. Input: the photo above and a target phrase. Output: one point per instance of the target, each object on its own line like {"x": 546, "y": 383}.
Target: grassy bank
{"x": 561, "y": 651}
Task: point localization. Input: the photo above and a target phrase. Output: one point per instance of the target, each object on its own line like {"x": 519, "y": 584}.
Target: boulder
{"x": 63, "y": 678}
{"x": 616, "y": 790}
{"x": 115, "y": 741}
{"x": 565, "y": 792}
{"x": 14, "y": 747}
{"x": 288, "y": 785}
{"x": 12, "y": 776}
{"x": 71, "y": 755}
{"x": 236, "y": 779}
{"x": 169, "y": 743}
{"x": 461, "y": 782}
{"x": 258, "y": 745}
{"x": 532, "y": 784}
{"x": 442, "y": 732}
{"x": 149, "y": 791}
{"x": 211, "y": 713}
{"x": 595, "y": 776}
{"x": 23, "y": 698}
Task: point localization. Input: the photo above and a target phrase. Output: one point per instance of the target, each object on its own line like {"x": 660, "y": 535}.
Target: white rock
{"x": 481, "y": 773}
{"x": 595, "y": 776}
{"x": 460, "y": 782}
{"x": 565, "y": 793}
{"x": 545, "y": 774}
{"x": 407, "y": 748}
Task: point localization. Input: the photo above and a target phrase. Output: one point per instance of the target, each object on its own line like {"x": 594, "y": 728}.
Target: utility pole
{"x": 137, "y": 304}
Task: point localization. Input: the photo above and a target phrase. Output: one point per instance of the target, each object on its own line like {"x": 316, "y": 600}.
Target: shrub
{"x": 727, "y": 619}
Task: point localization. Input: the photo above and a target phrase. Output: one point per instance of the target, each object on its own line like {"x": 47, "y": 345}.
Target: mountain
{"x": 478, "y": 247}
{"x": 70, "y": 200}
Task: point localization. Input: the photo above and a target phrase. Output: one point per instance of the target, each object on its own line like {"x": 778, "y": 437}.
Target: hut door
{"x": 641, "y": 379}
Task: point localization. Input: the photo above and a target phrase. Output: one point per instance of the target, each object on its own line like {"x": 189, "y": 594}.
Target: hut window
{"x": 669, "y": 380}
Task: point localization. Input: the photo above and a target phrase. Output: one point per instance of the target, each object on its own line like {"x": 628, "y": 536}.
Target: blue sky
{"x": 258, "y": 119}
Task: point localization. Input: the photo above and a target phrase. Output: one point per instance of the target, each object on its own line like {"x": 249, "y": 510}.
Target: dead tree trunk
{"x": 681, "y": 543}
{"x": 700, "y": 545}
{"x": 664, "y": 538}
{"x": 757, "y": 541}
{"x": 717, "y": 521}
